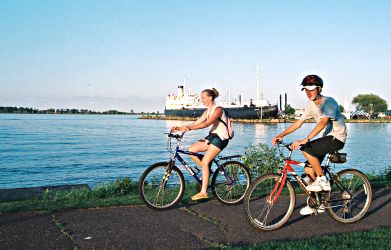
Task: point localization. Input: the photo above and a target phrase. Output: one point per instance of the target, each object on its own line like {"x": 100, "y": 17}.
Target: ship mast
{"x": 184, "y": 84}
{"x": 257, "y": 98}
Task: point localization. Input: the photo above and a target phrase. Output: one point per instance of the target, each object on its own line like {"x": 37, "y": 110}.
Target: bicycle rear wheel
{"x": 230, "y": 188}
{"x": 259, "y": 208}
{"x": 350, "y": 196}
{"x": 162, "y": 186}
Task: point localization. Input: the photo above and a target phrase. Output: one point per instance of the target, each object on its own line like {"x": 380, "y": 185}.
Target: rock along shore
{"x": 179, "y": 118}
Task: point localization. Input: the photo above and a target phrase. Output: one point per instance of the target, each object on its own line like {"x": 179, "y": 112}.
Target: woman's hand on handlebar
{"x": 182, "y": 128}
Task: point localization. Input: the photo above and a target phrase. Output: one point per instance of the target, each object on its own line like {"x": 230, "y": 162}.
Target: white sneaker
{"x": 321, "y": 209}
{"x": 314, "y": 186}
{"x": 321, "y": 183}
{"x": 309, "y": 210}
{"x": 325, "y": 184}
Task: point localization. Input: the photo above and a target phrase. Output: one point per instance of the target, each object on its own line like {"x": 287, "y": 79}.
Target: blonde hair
{"x": 212, "y": 92}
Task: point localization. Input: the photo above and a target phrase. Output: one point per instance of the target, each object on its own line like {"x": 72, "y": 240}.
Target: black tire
{"x": 154, "y": 194}
{"x": 231, "y": 191}
{"x": 350, "y": 205}
{"x": 258, "y": 209}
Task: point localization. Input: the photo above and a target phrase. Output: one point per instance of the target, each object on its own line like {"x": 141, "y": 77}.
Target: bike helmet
{"x": 311, "y": 82}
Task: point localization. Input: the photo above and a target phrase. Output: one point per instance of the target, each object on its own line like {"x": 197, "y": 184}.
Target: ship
{"x": 186, "y": 103}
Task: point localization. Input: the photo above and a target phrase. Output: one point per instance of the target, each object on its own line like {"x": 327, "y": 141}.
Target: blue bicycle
{"x": 162, "y": 185}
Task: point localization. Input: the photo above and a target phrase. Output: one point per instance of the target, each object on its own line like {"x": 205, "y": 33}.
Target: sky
{"x": 128, "y": 55}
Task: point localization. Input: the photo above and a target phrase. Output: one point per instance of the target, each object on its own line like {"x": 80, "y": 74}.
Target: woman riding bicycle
{"x": 212, "y": 144}
{"x": 325, "y": 111}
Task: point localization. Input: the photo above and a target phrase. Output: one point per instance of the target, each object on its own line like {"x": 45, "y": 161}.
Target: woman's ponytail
{"x": 212, "y": 92}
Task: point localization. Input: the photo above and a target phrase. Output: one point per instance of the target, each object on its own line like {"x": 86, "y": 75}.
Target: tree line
{"x": 23, "y": 110}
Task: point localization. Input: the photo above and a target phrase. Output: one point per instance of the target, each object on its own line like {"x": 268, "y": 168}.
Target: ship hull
{"x": 236, "y": 113}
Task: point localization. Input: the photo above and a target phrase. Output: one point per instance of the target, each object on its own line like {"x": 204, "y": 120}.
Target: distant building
{"x": 359, "y": 114}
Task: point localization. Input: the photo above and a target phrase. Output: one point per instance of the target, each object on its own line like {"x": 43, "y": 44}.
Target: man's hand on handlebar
{"x": 276, "y": 139}
{"x": 297, "y": 144}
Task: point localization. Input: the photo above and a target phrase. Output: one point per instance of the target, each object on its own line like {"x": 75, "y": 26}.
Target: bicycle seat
{"x": 338, "y": 157}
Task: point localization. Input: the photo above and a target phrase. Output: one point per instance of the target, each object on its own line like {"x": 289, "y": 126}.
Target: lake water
{"x": 38, "y": 150}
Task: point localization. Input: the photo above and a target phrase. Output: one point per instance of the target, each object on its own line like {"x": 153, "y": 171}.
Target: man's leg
{"x": 309, "y": 171}
{"x": 315, "y": 164}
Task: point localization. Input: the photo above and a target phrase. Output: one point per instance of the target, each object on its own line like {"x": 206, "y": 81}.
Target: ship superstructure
{"x": 187, "y": 103}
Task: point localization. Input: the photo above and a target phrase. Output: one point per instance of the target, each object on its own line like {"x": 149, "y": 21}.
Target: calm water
{"x": 40, "y": 150}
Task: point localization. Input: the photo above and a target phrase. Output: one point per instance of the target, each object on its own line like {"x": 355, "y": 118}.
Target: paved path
{"x": 194, "y": 226}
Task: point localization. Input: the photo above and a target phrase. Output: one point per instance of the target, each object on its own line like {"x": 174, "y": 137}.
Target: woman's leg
{"x": 197, "y": 147}
{"x": 210, "y": 154}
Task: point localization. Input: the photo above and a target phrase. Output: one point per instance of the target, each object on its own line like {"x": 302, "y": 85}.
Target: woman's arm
{"x": 207, "y": 122}
{"x": 200, "y": 120}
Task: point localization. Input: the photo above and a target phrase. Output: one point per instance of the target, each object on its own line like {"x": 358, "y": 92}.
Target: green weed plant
{"x": 262, "y": 159}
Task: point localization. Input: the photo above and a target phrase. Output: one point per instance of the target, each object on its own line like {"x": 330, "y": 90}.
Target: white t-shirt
{"x": 328, "y": 108}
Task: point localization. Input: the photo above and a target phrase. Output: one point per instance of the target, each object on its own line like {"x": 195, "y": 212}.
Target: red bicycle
{"x": 270, "y": 200}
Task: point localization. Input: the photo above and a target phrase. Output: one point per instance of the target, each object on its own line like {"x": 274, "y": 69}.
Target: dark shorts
{"x": 319, "y": 148}
{"x": 215, "y": 140}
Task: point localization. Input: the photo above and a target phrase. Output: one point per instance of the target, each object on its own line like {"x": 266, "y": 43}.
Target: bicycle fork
{"x": 166, "y": 175}
{"x": 280, "y": 183}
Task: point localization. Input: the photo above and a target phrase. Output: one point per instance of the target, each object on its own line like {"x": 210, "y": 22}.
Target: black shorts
{"x": 215, "y": 140}
{"x": 319, "y": 148}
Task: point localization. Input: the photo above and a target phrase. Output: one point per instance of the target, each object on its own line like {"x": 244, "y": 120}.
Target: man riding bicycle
{"x": 325, "y": 110}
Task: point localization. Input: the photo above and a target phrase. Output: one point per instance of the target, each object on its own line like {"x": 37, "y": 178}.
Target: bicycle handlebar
{"x": 176, "y": 136}
{"x": 287, "y": 145}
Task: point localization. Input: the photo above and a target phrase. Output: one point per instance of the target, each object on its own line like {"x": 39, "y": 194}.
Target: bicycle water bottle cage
{"x": 338, "y": 157}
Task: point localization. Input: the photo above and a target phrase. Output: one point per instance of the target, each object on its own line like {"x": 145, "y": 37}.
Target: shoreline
{"x": 271, "y": 121}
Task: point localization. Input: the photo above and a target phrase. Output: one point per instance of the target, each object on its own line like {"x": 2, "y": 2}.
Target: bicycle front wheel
{"x": 230, "y": 182}
{"x": 350, "y": 196}
{"x": 162, "y": 186}
{"x": 263, "y": 209}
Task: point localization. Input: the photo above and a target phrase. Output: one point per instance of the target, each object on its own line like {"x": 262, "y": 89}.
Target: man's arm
{"x": 292, "y": 128}
{"x": 319, "y": 127}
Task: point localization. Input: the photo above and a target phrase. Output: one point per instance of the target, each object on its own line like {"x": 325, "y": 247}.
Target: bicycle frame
{"x": 288, "y": 168}
{"x": 284, "y": 173}
{"x": 176, "y": 155}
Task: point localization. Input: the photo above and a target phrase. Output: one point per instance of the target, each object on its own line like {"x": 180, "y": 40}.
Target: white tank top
{"x": 218, "y": 127}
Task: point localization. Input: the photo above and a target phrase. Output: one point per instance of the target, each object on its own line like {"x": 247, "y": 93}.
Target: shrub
{"x": 120, "y": 187}
{"x": 387, "y": 173}
{"x": 262, "y": 159}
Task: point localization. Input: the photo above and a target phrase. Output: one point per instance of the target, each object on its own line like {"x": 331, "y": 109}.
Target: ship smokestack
{"x": 181, "y": 91}
{"x": 280, "y": 102}
{"x": 286, "y": 100}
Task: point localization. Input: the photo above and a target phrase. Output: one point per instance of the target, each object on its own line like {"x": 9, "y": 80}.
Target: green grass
{"x": 374, "y": 239}
{"x": 124, "y": 192}
{"x": 121, "y": 192}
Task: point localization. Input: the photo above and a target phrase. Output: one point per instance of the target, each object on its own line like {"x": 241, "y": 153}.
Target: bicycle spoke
{"x": 161, "y": 188}
{"x": 260, "y": 209}
{"x": 230, "y": 182}
{"x": 351, "y": 201}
